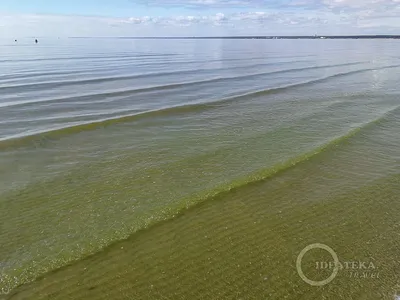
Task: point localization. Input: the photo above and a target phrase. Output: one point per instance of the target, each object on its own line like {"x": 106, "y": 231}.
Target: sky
{"x": 104, "y": 18}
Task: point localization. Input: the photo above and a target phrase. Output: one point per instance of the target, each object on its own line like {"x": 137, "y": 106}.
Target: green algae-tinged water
{"x": 198, "y": 169}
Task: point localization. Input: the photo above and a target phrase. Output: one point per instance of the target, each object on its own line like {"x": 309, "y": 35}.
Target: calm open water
{"x": 199, "y": 169}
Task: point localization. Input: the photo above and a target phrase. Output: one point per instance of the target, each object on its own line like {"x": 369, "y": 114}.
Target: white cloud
{"x": 356, "y": 3}
{"x": 314, "y": 16}
{"x": 267, "y": 4}
{"x": 202, "y": 3}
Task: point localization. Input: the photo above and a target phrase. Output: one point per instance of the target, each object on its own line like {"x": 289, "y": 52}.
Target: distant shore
{"x": 269, "y": 37}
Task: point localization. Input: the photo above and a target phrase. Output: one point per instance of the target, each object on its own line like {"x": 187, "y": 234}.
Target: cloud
{"x": 267, "y": 3}
{"x": 274, "y": 22}
{"x": 202, "y": 3}
{"x": 296, "y": 17}
{"x": 359, "y": 3}
{"x": 335, "y": 5}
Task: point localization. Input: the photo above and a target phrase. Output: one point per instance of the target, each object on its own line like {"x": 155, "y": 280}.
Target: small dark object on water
{"x": 16, "y": 40}
{"x": 36, "y": 41}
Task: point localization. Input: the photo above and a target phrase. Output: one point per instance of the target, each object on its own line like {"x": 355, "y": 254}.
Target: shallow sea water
{"x": 199, "y": 169}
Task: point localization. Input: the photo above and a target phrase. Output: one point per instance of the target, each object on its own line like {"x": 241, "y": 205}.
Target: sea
{"x": 199, "y": 169}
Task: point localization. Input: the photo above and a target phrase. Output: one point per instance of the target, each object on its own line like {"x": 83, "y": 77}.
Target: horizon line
{"x": 364, "y": 36}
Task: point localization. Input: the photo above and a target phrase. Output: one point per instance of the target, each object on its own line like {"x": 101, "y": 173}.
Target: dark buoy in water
{"x": 36, "y": 41}
{"x": 16, "y": 41}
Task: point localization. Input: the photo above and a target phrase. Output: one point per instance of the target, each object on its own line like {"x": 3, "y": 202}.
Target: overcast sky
{"x": 53, "y": 18}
